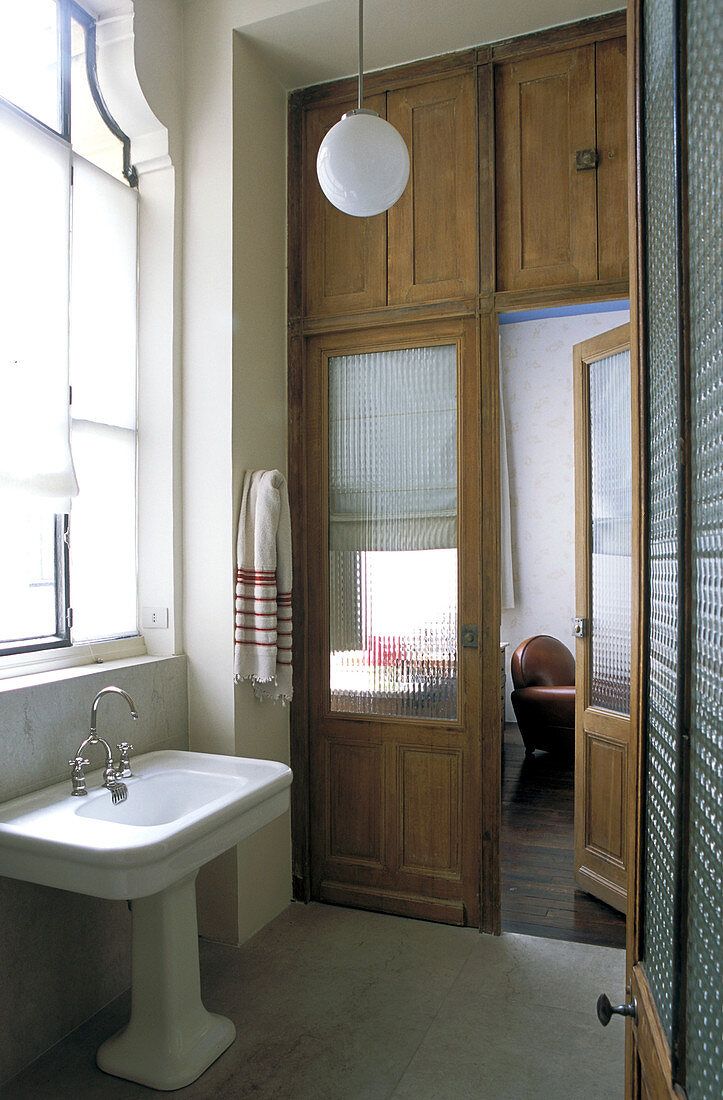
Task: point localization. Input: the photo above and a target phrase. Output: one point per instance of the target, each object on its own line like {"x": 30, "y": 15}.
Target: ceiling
{"x": 308, "y": 42}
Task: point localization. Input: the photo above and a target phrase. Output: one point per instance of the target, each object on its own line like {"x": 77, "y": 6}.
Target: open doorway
{"x": 538, "y": 890}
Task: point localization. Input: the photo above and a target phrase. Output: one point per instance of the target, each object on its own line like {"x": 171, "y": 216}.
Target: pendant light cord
{"x": 361, "y": 54}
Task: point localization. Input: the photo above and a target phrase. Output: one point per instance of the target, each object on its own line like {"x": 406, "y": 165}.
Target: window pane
{"x": 35, "y": 201}
{"x": 27, "y": 574}
{"x": 611, "y": 500}
{"x": 405, "y": 659}
{"x": 103, "y": 533}
{"x": 29, "y": 58}
{"x": 103, "y": 297}
{"x": 393, "y": 532}
{"x": 89, "y": 133}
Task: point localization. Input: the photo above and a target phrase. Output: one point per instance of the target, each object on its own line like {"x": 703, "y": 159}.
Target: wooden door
{"x": 546, "y": 207}
{"x": 345, "y": 259}
{"x": 433, "y": 226}
{"x": 675, "y": 977}
{"x": 394, "y": 768}
{"x": 603, "y": 567}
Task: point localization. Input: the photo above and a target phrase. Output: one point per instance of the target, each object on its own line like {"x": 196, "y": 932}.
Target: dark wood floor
{"x": 539, "y": 895}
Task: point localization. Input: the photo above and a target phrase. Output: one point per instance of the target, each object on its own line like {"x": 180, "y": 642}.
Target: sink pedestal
{"x": 170, "y": 1038}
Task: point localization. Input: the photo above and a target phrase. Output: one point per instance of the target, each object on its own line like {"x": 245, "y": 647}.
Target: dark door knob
{"x": 605, "y": 1010}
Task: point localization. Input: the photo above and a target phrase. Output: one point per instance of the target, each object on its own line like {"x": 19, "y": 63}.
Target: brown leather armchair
{"x": 543, "y": 672}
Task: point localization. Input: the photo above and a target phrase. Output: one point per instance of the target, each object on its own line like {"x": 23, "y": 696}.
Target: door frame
{"x": 316, "y": 349}
{"x": 484, "y": 307}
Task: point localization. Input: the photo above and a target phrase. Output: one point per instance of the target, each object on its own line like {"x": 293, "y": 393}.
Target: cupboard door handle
{"x": 586, "y": 158}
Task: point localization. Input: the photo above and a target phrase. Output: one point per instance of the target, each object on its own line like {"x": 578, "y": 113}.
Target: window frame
{"x": 68, "y": 10}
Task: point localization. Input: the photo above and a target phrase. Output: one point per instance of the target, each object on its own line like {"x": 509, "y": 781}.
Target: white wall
{"x": 536, "y": 367}
{"x": 234, "y": 411}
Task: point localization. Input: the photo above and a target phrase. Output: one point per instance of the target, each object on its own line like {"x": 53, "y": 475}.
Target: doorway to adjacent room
{"x": 539, "y": 895}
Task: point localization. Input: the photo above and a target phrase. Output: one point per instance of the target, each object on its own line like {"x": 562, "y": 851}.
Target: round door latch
{"x": 606, "y": 1011}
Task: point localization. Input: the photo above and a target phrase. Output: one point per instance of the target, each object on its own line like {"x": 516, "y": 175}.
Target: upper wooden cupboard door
{"x": 433, "y": 226}
{"x": 612, "y": 169}
{"x": 546, "y": 208}
{"x": 345, "y": 257}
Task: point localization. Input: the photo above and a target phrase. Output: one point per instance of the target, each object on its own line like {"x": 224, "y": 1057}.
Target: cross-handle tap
{"x": 76, "y": 774}
{"x": 111, "y": 779}
{"x": 111, "y": 774}
{"x": 124, "y": 764}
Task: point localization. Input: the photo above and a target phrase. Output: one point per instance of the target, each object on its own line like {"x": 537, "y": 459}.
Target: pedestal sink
{"x": 183, "y": 809}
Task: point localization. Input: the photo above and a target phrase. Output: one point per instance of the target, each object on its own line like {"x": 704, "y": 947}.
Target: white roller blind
{"x": 35, "y": 458}
{"x": 393, "y": 450}
{"x": 103, "y": 353}
{"x": 103, "y": 326}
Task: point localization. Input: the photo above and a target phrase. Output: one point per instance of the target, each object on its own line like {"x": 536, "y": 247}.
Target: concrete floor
{"x": 338, "y": 1003}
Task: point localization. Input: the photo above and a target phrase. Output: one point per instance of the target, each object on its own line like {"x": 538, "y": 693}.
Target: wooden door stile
{"x": 489, "y": 565}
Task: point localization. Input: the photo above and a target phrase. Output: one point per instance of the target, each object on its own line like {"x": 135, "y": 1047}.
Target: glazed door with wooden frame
{"x": 603, "y": 567}
{"x": 675, "y": 971}
{"x": 394, "y": 532}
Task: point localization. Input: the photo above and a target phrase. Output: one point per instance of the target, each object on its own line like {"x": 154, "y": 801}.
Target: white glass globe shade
{"x": 362, "y": 164}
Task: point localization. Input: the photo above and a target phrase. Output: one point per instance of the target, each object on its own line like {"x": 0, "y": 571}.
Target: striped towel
{"x": 262, "y": 652}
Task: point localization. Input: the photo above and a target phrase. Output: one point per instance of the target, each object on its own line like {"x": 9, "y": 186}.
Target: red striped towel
{"x": 262, "y": 652}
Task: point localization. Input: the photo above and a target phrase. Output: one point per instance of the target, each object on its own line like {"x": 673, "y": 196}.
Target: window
{"x": 68, "y": 304}
{"x": 393, "y": 532}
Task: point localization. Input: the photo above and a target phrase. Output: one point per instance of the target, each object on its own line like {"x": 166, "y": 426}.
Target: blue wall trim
{"x": 563, "y": 311}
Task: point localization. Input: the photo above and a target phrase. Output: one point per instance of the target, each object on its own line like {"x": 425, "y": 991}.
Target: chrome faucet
{"x": 109, "y": 691}
{"x": 111, "y": 774}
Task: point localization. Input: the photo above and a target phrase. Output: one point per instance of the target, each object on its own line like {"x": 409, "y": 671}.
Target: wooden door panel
{"x": 433, "y": 227}
{"x": 393, "y": 834}
{"x": 429, "y": 804}
{"x": 546, "y": 209}
{"x": 606, "y": 771}
{"x": 356, "y": 829}
{"x": 612, "y": 170}
{"x": 345, "y": 265}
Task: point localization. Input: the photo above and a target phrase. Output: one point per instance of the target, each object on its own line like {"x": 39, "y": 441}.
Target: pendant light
{"x": 363, "y": 163}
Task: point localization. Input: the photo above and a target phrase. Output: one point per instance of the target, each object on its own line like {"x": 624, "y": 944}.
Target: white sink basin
{"x": 183, "y": 808}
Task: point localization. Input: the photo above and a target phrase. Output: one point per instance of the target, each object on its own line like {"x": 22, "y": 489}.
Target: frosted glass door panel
{"x": 393, "y": 533}
{"x": 611, "y": 512}
{"x": 704, "y": 1000}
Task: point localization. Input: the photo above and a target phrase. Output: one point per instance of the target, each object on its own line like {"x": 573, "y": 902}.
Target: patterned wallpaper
{"x": 536, "y": 366}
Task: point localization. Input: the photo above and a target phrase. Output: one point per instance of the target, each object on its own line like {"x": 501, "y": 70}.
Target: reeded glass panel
{"x": 704, "y": 1047}
{"x": 662, "y": 364}
{"x": 29, "y": 58}
{"x": 611, "y": 515}
{"x": 393, "y": 532}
